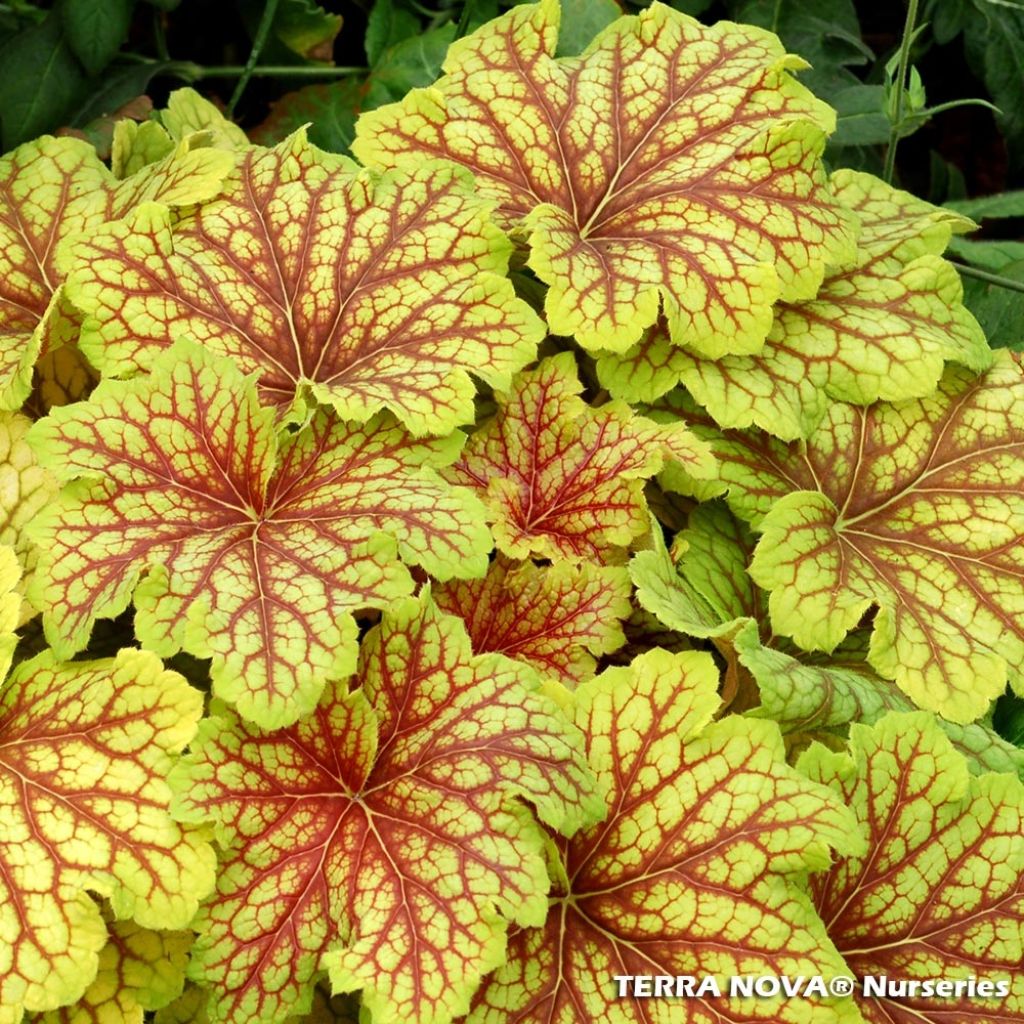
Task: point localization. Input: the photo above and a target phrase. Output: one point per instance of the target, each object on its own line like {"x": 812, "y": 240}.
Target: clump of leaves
{"x": 586, "y": 540}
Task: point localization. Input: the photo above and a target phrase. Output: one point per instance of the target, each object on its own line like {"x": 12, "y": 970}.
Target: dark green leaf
{"x": 988, "y": 254}
{"x": 1000, "y": 311}
{"x": 825, "y": 33}
{"x": 947, "y": 18}
{"x": 331, "y": 108}
{"x": 302, "y": 31}
{"x": 691, "y": 7}
{"x": 581, "y": 21}
{"x": 103, "y": 96}
{"x": 388, "y": 24}
{"x": 408, "y": 65}
{"x": 994, "y": 38}
{"x": 1008, "y": 719}
{"x": 861, "y": 119}
{"x": 1002, "y": 204}
{"x": 95, "y": 29}
{"x": 40, "y": 82}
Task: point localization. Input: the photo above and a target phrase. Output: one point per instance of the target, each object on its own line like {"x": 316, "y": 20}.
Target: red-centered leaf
{"x": 565, "y": 481}
{"x": 672, "y": 164}
{"x": 914, "y": 507}
{"x": 85, "y": 748}
{"x": 696, "y": 871}
{"x": 52, "y": 190}
{"x": 257, "y": 545}
{"x": 939, "y": 896}
{"x": 370, "y": 290}
{"x": 380, "y": 837}
{"x": 557, "y": 618}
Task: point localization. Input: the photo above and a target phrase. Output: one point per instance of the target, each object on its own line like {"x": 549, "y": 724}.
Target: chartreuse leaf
{"x": 563, "y": 480}
{"x": 672, "y": 163}
{"x": 703, "y": 590}
{"x": 940, "y": 894}
{"x": 10, "y": 606}
{"x": 137, "y": 144}
{"x": 696, "y": 870}
{"x": 25, "y": 490}
{"x": 554, "y": 617}
{"x": 372, "y": 290}
{"x": 255, "y": 547}
{"x": 50, "y": 191}
{"x": 380, "y": 838}
{"x": 84, "y": 751}
{"x": 882, "y": 326}
{"x": 139, "y": 969}
{"x": 932, "y": 537}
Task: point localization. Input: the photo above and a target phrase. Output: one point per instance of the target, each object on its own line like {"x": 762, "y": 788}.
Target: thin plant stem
{"x": 467, "y": 13}
{"x": 901, "y": 89}
{"x": 262, "y": 31}
{"x": 984, "y": 275}
{"x": 274, "y": 71}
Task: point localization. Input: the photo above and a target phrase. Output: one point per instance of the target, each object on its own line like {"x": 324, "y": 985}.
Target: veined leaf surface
{"x": 671, "y": 164}
{"x": 933, "y": 536}
{"x": 695, "y": 871}
{"x": 703, "y": 590}
{"x": 386, "y": 819}
{"x": 555, "y": 617}
{"x": 882, "y": 326}
{"x": 26, "y": 488}
{"x": 370, "y": 290}
{"x": 139, "y": 969}
{"x": 258, "y": 546}
{"x": 52, "y": 190}
{"x": 563, "y": 480}
{"x": 84, "y": 751}
{"x": 940, "y": 895}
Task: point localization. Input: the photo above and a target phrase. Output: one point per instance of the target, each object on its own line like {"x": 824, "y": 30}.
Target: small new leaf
{"x": 556, "y": 618}
{"x": 562, "y": 480}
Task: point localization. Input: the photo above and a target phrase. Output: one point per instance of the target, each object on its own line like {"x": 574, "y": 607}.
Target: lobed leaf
{"x": 52, "y": 190}
{"x": 882, "y": 326}
{"x": 930, "y": 537}
{"x": 696, "y": 870}
{"x": 556, "y": 618}
{"x": 671, "y": 164}
{"x": 84, "y": 749}
{"x": 255, "y": 547}
{"x": 26, "y": 488}
{"x": 703, "y": 590}
{"x": 380, "y": 838}
{"x": 139, "y": 969}
{"x": 370, "y": 291}
{"x": 940, "y": 895}
{"x": 562, "y": 480}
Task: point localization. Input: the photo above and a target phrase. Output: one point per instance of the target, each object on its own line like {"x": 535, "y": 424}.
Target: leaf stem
{"x": 467, "y": 13}
{"x": 259, "y": 40}
{"x": 273, "y": 71}
{"x": 901, "y": 89}
{"x": 983, "y": 275}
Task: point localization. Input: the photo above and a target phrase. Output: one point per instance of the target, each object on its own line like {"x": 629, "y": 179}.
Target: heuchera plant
{"x": 585, "y": 539}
